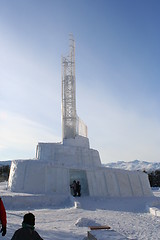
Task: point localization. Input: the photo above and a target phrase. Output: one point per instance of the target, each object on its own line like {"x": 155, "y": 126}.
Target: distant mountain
{"x": 134, "y": 165}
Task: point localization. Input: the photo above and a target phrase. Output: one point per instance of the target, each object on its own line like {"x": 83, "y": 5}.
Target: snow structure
{"x": 57, "y": 164}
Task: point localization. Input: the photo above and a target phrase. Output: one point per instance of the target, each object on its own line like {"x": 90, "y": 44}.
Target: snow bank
{"x": 34, "y": 201}
{"x": 154, "y": 207}
{"x": 105, "y": 234}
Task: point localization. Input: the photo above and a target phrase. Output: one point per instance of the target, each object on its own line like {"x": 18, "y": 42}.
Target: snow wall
{"x": 57, "y": 165}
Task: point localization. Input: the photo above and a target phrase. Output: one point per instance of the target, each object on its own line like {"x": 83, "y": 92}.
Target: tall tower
{"x": 69, "y": 93}
{"x": 72, "y": 125}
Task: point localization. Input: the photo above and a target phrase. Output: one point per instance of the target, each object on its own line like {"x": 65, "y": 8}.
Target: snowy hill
{"x": 134, "y": 165}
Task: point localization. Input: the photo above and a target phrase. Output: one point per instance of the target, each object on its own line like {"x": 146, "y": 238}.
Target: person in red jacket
{"x": 3, "y": 218}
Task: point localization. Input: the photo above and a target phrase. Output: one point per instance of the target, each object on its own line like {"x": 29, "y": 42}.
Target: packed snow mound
{"x": 40, "y": 177}
{"x": 85, "y": 222}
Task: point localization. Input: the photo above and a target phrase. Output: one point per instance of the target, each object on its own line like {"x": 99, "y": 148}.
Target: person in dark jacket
{"x": 78, "y": 188}
{"x": 27, "y": 231}
{"x": 74, "y": 188}
{"x": 3, "y": 218}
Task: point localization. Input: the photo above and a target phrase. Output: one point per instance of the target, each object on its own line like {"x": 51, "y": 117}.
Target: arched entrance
{"x": 79, "y": 175}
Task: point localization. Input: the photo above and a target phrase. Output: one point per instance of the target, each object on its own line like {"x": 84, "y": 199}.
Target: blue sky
{"x": 117, "y": 75}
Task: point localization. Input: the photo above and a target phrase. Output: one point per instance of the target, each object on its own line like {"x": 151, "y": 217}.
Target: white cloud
{"x": 20, "y": 134}
{"x": 119, "y": 133}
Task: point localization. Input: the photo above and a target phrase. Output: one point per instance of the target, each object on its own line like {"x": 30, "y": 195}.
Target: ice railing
{"x": 81, "y": 128}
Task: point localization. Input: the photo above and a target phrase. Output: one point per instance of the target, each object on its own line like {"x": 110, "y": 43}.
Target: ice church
{"x": 57, "y": 164}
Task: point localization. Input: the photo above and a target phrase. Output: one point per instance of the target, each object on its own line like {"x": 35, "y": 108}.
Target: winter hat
{"x": 29, "y": 218}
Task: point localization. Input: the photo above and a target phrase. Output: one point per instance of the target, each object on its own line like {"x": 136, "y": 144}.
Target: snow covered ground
{"x": 127, "y": 216}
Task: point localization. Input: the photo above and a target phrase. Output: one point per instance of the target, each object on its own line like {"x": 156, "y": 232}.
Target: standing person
{"x": 3, "y": 218}
{"x": 74, "y": 187}
{"x": 78, "y": 188}
{"x": 27, "y": 231}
